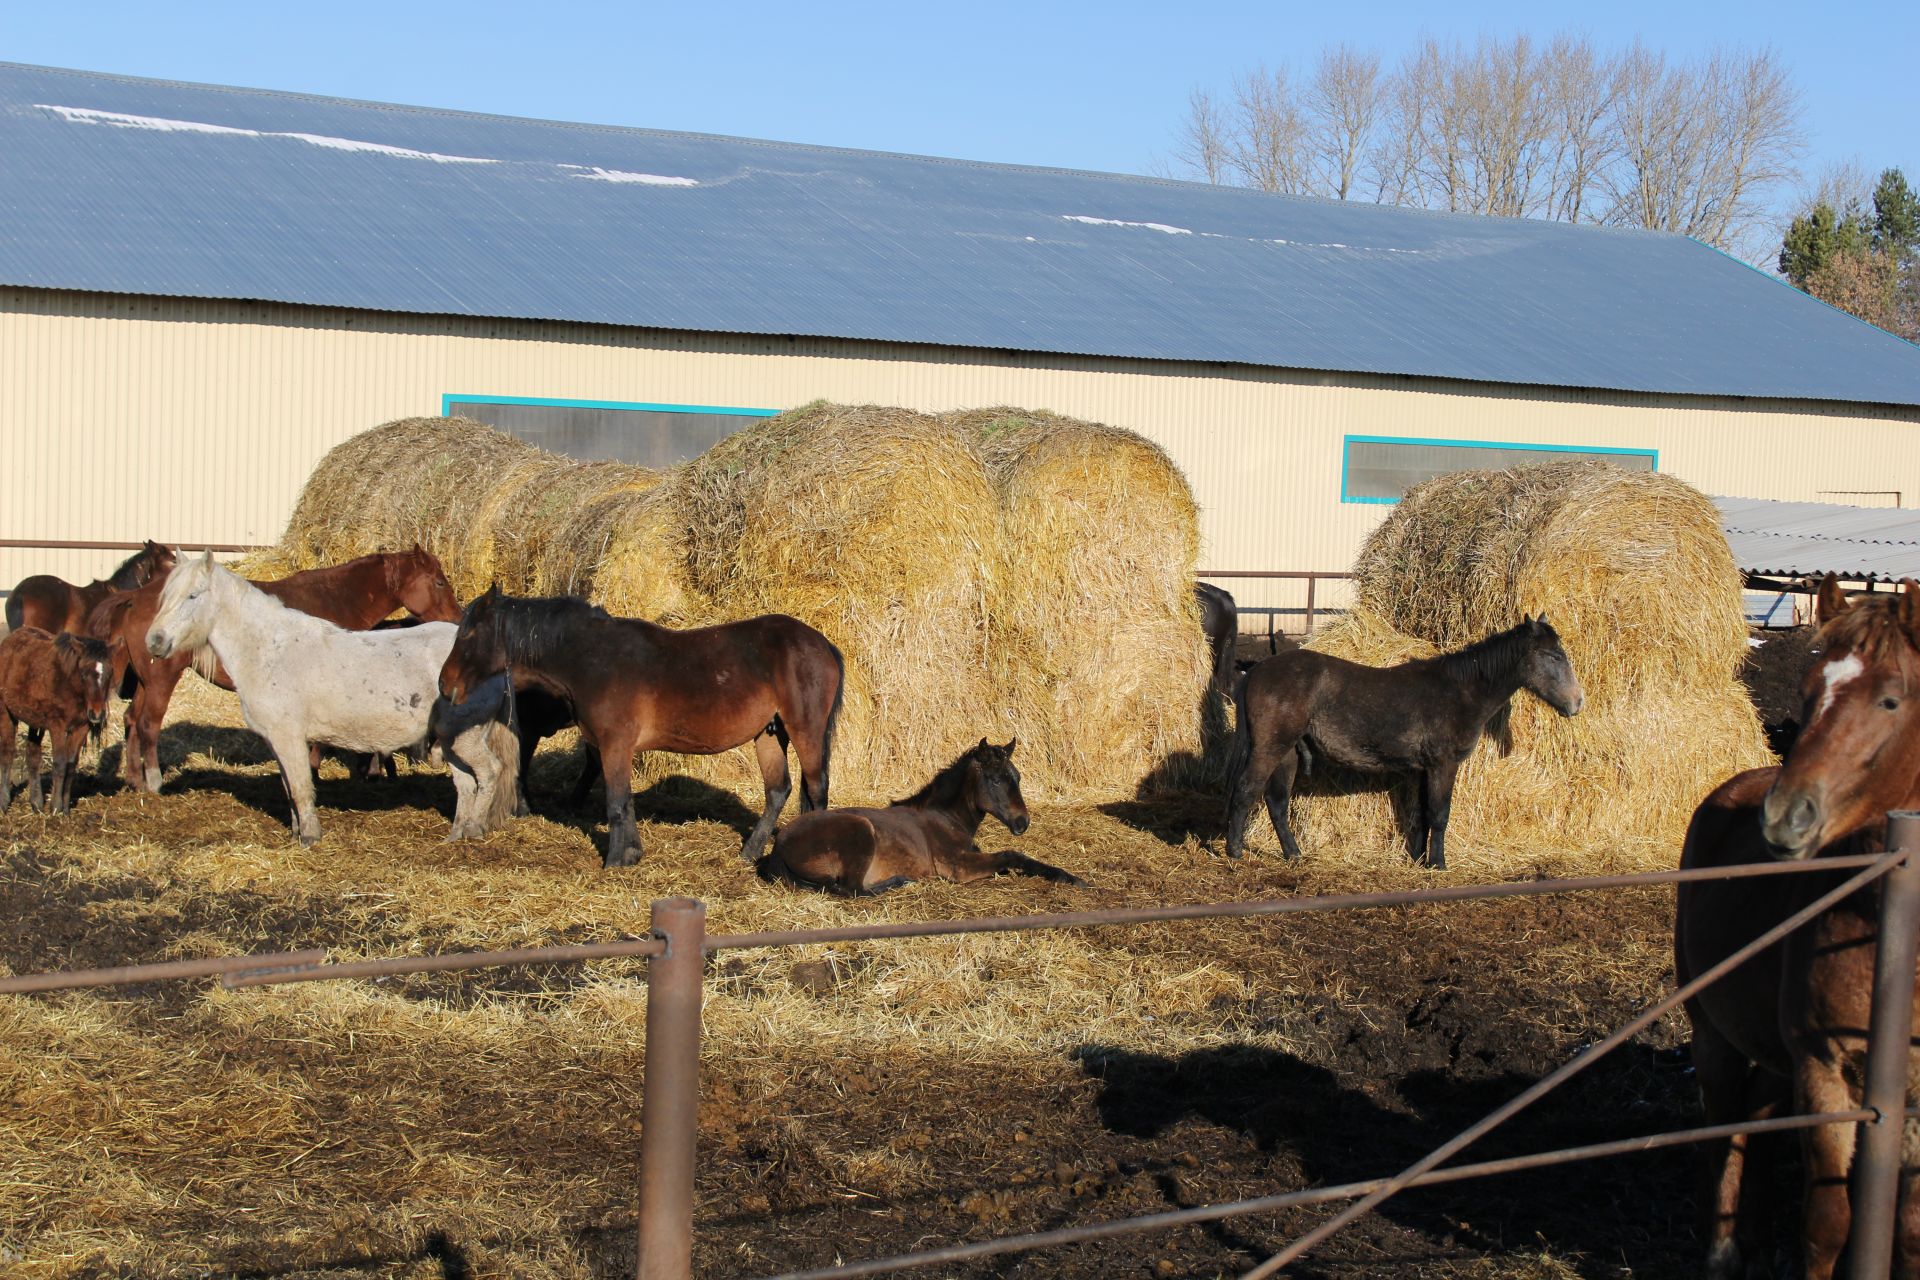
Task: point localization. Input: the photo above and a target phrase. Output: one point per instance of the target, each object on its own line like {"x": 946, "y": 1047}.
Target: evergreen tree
{"x": 1816, "y": 238}
{"x": 1896, "y": 216}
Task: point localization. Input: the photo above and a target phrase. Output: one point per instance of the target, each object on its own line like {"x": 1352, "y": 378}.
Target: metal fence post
{"x": 1876, "y": 1182}
{"x": 670, "y": 1101}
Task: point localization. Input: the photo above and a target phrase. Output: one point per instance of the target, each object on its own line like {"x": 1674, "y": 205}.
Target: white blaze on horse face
{"x": 1833, "y": 677}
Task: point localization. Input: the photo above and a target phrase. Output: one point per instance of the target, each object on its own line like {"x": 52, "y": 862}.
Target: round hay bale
{"x": 412, "y": 480}
{"x": 625, "y": 549}
{"x": 878, "y": 527}
{"x": 1097, "y": 649}
{"x": 1633, "y": 571}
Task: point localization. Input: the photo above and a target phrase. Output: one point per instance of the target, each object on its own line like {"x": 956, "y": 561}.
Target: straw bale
{"x": 1634, "y": 573}
{"x": 878, "y": 527}
{"x": 1097, "y": 647}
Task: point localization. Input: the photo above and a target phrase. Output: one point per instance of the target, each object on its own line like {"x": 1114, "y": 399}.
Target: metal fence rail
{"x": 678, "y": 944}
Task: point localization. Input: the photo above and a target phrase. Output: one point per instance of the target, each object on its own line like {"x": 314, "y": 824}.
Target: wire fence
{"x": 678, "y": 945}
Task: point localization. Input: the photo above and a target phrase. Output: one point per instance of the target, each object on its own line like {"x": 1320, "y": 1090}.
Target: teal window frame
{"x": 1347, "y": 443}
{"x": 452, "y": 399}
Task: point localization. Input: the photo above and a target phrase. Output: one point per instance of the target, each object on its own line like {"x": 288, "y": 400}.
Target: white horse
{"x": 302, "y": 679}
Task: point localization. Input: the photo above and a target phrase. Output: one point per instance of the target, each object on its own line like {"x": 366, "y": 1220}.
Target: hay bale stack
{"x": 1097, "y": 649}
{"x": 1633, "y": 571}
{"x": 878, "y": 527}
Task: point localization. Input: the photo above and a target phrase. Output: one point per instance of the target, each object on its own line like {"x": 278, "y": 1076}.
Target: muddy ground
{"x": 857, "y": 1103}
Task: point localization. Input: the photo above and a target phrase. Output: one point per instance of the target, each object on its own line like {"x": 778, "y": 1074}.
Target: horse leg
{"x": 152, "y": 702}
{"x": 1247, "y": 785}
{"x": 296, "y": 773}
{"x": 1008, "y": 862}
{"x": 9, "y": 727}
{"x": 1428, "y": 842}
{"x": 771, "y": 751}
{"x": 1279, "y": 798}
{"x": 66, "y": 756}
{"x": 583, "y": 785}
{"x": 623, "y": 833}
{"x": 811, "y": 748}
{"x": 1732, "y": 1090}
{"x": 35, "y": 797}
{"x": 1822, "y": 1086}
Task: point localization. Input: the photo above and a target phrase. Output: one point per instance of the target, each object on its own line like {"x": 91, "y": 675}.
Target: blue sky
{"x": 1082, "y": 86}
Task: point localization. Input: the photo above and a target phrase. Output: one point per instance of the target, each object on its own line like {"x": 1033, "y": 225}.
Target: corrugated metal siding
{"x": 133, "y": 417}
{"x": 120, "y": 185}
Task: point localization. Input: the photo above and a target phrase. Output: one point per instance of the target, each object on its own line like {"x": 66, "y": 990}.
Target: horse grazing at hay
{"x": 1422, "y": 716}
{"x": 1220, "y": 619}
{"x": 56, "y": 684}
{"x": 929, "y": 835}
{"x": 300, "y": 678}
{"x": 355, "y": 595}
{"x": 55, "y": 605}
{"x": 1789, "y": 1026}
{"x": 479, "y": 740}
{"x": 635, "y": 686}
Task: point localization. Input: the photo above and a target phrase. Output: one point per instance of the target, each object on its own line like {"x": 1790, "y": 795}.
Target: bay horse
{"x": 355, "y": 595}
{"x": 635, "y": 686}
{"x": 301, "y": 679}
{"x": 55, "y": 605}
{"x": 58, "y": 685}
{"x": 929, "y": 835}
{"x": 1788, "y": 1028}
{"x": 1422, "y": 716}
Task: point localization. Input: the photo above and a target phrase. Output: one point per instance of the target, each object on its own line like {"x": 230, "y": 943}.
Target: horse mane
{"x": 127, "y": 576}
{"x": 528, "y": 624}
{"x": 1496, "y": 655}
{"x": 945, "y": 784}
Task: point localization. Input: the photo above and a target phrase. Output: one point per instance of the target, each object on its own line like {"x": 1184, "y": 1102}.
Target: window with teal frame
{"x": 651, "y": 435}
{"x": 1382, "y": 468}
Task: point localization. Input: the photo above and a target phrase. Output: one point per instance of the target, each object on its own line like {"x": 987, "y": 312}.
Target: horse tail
{"x": 1242, "y": 749}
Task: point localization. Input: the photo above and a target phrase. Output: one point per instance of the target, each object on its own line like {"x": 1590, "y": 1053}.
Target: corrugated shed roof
{"x": 121, "y": 185}
{"x": 1810, "y": 539}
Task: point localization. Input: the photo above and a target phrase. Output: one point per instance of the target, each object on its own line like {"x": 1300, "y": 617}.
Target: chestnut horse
{"x": 930, "y": 834}
{"x": 635, "y": 686}
{"x": 56, "y": 684}
{"x": 1422, "y": 716}
{"x": 354, "y": 595}
{"x": 1789, "y": 1026}
{"x": 55, "y": 605}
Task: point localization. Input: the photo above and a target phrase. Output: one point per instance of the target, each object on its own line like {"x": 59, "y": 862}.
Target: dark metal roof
{"x": 120, "y": 185}
{"x": 1812, "y": 539}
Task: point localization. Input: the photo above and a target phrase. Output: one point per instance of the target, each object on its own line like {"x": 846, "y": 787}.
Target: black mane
{"x": 134, "y": 571}
{"x": 945, "y": 785}
{"x": 531, "y": 626}
{"x": 1497, "y": 655}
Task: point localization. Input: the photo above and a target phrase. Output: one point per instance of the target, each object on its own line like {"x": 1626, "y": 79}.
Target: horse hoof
{"x": 624, "y": 858}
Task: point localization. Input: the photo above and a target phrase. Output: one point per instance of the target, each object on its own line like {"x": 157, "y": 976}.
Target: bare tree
{"x": 1343, "y": 103}
{"x": 1513, "y": 128}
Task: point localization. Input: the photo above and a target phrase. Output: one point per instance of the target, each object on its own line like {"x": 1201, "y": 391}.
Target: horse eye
{"x": 1889, "y": 704}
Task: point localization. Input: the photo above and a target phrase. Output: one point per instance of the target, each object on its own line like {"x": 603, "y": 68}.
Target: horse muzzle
{"x": 1790, "y": 822}
{"x": 1020, "y": 823}
{"x": 159, "y": 645}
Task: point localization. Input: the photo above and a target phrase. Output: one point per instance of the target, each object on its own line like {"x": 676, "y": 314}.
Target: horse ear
{"x": 1907, "y": 609}
{"x": 982, "y": 746}
{"x": 1011, "y": 744}
{"x": 1831, "y": 602}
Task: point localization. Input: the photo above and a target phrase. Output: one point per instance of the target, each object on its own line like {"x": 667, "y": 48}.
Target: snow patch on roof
{"x": 1114, "y": 222}
{"x": 159, "y": 124}
{"x": 616, "y": 175}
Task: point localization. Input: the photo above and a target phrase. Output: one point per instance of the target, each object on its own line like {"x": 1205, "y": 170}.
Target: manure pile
{"x": 1633, "y": 571}
{"x": 985, "y": 573}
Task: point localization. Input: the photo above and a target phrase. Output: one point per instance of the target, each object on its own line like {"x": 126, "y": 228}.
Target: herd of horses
{"x": 312, "y": 665}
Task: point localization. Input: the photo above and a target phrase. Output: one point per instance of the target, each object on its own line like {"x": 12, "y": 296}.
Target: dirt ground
{"x": 857, "y": 1101}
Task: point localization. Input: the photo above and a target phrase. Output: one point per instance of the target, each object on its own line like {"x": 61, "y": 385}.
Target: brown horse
{"x": 1789, "y": 1026}
{"x": 55, "y": 605}
{"x": 354, "y": 595}
{"x": 1422, "y": 716}
{"x": 929, "y": 835}
{"x": 58, "y": 685}
{"x": 634, "y": 686}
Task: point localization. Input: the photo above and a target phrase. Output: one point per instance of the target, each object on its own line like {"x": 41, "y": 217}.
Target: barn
{"x": 204, "y": 288}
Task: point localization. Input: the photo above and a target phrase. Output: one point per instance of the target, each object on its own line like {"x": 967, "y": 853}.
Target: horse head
{"x": 995, "y": 784}
{"x": 1859, "y": 753}
{"x": 184, "y": 615}
{"x": 1546, "y": 671}
{"x": 88, "y": 665}
{"x": 420, "y": 585}
{"x": 479, "y": 648}
{"x": 159, "y": 559}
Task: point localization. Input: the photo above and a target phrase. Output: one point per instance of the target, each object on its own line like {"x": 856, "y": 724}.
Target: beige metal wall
{"x": 191, "y": 421}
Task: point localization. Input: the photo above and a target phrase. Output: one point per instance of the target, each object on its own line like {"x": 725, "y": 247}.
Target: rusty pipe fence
{"x": 1312, "y": 577}
{"x": 678, "y": 945}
